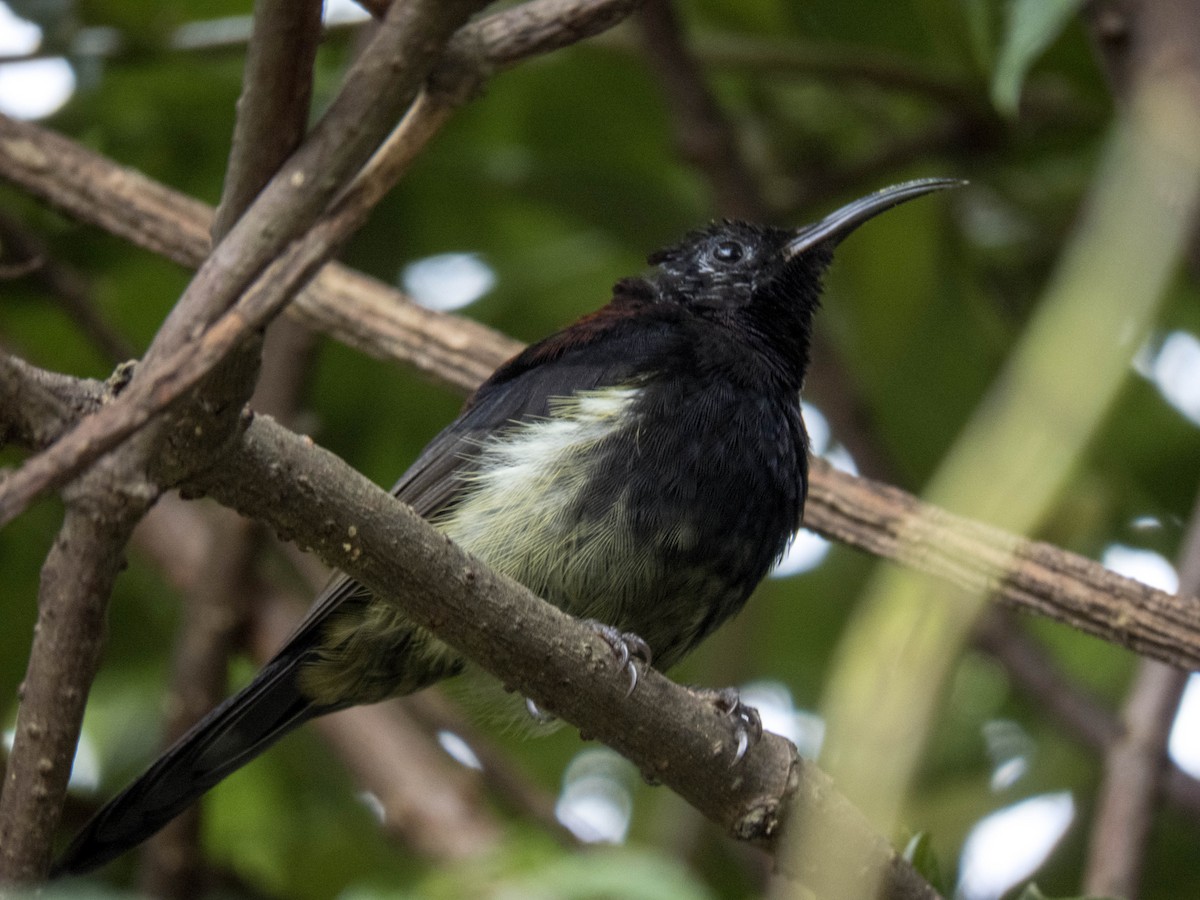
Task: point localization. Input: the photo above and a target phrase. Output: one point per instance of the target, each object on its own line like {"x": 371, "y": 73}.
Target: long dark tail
{"x": 227, "y": 738}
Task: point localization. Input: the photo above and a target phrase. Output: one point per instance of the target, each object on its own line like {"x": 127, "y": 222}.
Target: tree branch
{"x": 672, "y": 735}
{"x": 1030, "y": 576}
{"x": 159, "y": 383}
{"x": 273, "y": 110}
{"x": 353, "y": 308}
{"x": 378, "y": 88}
{"x": 76, "y": 581}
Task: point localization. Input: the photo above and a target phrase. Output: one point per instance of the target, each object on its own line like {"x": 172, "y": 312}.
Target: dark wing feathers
{"x": 600, "y": 349}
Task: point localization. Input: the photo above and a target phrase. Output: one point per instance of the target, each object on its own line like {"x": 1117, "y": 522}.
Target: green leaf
{"x": 1032, "y": 26}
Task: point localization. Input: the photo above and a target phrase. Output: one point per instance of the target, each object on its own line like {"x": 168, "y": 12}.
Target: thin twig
{"x": 702, "y": 132}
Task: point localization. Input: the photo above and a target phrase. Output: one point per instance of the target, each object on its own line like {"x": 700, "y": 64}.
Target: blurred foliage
{"x": 562, "y": 177}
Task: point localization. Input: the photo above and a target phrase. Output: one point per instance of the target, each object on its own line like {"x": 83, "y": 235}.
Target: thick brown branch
{"x": 671, "y": 734}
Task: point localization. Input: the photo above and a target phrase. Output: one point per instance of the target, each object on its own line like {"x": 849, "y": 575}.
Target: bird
{"x": 643, "y": 469}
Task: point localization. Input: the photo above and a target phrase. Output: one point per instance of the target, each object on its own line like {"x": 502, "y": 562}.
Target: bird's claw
{"x": 747, "y": 723}
{"x": 627, "y": 647}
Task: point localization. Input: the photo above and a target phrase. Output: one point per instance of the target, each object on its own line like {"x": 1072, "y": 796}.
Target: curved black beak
{"x": 835, "y": 226}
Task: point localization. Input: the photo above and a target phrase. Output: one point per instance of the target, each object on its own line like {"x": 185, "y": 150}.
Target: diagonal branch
{"x": 353, "y": 308}
{"x": 1030, "y": 576}
{"x": 272, "y": 113}
{"x": 160, "y": 383}
{"x": 674, "y": 736}
{"x": 377, "y": 90}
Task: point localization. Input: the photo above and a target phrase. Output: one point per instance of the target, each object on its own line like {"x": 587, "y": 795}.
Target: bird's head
{"x": 728, "y": 265}
{"x": 765, "y": 282}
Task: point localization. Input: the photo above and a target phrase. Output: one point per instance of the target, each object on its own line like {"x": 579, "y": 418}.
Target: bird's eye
{"x": 728, "y": 252}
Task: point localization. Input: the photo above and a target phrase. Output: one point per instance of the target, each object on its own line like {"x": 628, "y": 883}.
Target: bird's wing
{"x": 601, "y": 349}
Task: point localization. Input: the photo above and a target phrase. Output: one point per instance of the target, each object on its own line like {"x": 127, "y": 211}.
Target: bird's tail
{"x": 227, "y": 738}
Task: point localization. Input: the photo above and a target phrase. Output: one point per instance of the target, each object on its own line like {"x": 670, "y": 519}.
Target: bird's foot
{"x": 627, "y": 647}
{"x": 747, "y": 723}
